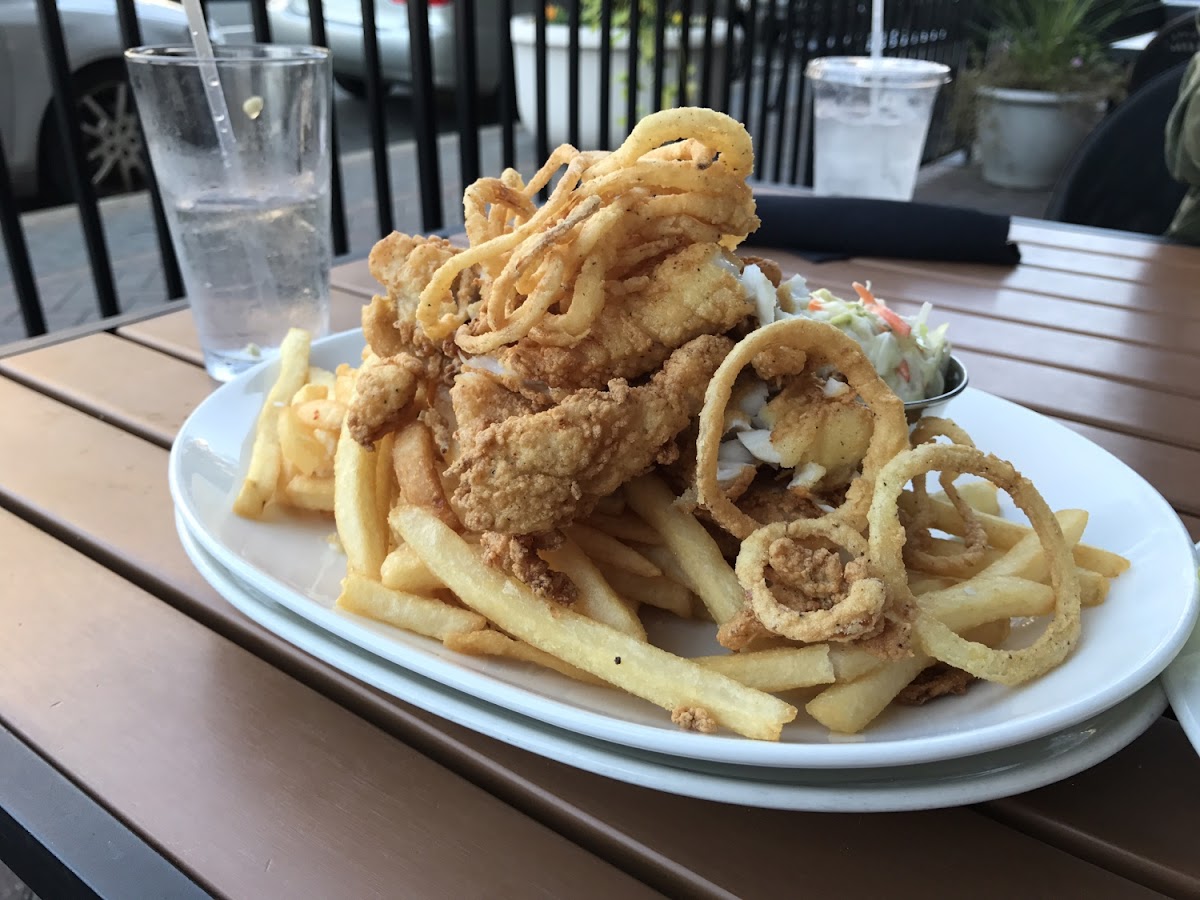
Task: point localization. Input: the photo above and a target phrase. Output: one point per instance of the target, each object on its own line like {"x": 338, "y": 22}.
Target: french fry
{"x": 986, "y": 598}
{"x": 783, "y": 669}
{"x": 607, "y": 549}
{"x": 309, "y": 392}
{"x": 692, "y": 693}
{"x": 625, "y": 527}
{"x": 666, "y": 560}
{"x": 659, "y": 592}
{"x": 492, "y": 643}
{"x": 300, "y": 445}
{"x": 981, "y": 496}
{"x": 363, "y": 533}
{"x": 1004, "y": 533}
{"x": 266, "y": 457}
{"x": 1027, "y": 559}
{"x": 964, "y": 606}
{"x": 1093, "y": 587}
{"x": 849, "y": 707}
{"x": 326, "y": 414}
{"x": 308, "y": 492}
{"x": 402, "y": 570}
{"x": 422, "y": 615}
{"x": 322, "y": 378}
{"x": 414, "y": 460}
{"x": 698, "y": 554}
{"x": 597, "y": 598}
{"x": 343, "y": 384}
{"x": 386, "y": 489}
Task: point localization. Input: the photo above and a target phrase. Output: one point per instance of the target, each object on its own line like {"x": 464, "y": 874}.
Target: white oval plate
{"x": 972, "y": 779}
{"x": 1125, "y": 644}
{"x": 1182, "y": 683}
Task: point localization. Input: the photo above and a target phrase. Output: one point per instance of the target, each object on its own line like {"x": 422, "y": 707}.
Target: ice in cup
{"x": 870, "y": 120}
{"x": 251, "y": 229}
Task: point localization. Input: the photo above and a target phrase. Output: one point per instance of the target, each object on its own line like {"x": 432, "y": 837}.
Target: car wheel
{"x": 110, "y": 132}
{"x": 351, "y": 85}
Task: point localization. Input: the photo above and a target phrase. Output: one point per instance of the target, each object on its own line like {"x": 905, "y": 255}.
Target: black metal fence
{"x": 748, "y": 60}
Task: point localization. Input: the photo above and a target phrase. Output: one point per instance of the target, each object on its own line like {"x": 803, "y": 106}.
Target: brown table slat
{"x": 250, "y": 782}
{"x": 1088, "y": 398}
{"x": 1100, "y": 807}
{"x": 1103, "y": 241}
{"x": 1151, "y": 272}
{"x": 603, "y": 812}
{"x": 175, "y": 333}
{"x": 1161, "y": 299}
{"x": 144, "y": 390}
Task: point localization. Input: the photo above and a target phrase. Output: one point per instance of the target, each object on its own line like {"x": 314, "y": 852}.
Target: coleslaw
{"x": 909, "y": 356}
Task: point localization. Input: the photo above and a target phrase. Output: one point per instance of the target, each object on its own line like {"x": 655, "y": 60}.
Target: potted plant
{"x": 523, "y": 31}
{"x": 1044, "y": 83}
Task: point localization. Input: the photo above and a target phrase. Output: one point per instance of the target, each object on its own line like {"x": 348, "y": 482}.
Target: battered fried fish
{"x": 534, "y": 473}
{"x": 692, "y": 292}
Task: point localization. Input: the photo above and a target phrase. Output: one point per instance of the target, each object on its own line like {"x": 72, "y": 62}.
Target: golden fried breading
{"x": 517, "y": 554}
{"x": 404, "y": 264}
{"x": 692, "y": 292}
{"x": 533, "y": 473}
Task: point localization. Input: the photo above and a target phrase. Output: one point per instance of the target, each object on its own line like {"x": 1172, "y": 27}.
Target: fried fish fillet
{"x": 533, "y": 473}
{"x": 693, "y": 292}
{"x": 403, "y": 361}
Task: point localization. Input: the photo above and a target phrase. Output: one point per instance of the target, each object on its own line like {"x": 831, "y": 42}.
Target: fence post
{"x": 18, "y": 255}
{"x": 81, "y": 186}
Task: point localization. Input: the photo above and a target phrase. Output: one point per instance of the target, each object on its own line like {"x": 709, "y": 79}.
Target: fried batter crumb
{"x": 518, "y": 556}
{"x": 936, "y": 681}
{"x": 694, "y": 718}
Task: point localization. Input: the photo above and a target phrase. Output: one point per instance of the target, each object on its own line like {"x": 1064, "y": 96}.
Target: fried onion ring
{"x": 887, "y": 538}
{"x": 820, "y": 344}
{"x": 855, "y": 614}
{"x": 916, "y": 549}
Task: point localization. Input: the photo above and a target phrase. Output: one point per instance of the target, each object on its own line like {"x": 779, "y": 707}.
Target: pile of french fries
{"x": 409, "y": 567}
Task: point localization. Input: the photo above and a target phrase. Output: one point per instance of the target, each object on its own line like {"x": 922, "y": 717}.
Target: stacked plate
{"x": 992, "y": 742}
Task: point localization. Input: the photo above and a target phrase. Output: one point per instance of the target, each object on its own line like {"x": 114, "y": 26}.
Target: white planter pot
{"x": 558, "y": 96}
{"x": 1026, "y": 138}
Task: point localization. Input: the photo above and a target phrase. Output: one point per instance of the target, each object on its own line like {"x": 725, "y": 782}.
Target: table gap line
{"x": 898, "y": 266}
{"x": 163, "y": 347}
{"x": 82, "y": 405}
{"x": 1130, "y": 379}
{"x": 459, "y": 758}
{"x": 1114, "y": 860}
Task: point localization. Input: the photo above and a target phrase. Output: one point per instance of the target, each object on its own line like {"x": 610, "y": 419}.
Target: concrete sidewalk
{"x": 64, "y": 278}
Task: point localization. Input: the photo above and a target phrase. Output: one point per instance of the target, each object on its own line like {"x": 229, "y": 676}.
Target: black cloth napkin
{"x": 832, "y": 228}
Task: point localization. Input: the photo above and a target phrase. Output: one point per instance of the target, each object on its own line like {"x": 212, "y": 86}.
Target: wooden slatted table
{"x": 242, "y": 767}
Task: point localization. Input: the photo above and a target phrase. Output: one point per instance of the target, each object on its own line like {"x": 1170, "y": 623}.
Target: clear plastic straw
{"x": 214, "y": 96}
{"x": 877, "y": 29}
{"x": 876, "y": 51}
{"x": 212, "y": 81}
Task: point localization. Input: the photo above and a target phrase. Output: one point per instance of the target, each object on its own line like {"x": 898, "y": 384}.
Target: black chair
{"x": 1118, "y": 178}
{"x": 1176, "y": 43}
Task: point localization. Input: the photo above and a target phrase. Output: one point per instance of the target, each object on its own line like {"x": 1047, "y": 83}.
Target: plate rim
{"x": 1140, "y": 711}
{"x": 606, "y": 727}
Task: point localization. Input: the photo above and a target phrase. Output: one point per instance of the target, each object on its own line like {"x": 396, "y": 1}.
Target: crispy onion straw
{"x": 887, "y": 563}
{"x": 975, "y": 543}
{"x": 853, "y": 615}
{"x": 804, "y": 342}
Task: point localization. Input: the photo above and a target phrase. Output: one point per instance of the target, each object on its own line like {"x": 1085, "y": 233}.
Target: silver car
{"x": 343, "y": 27}
{"x": 37, "y": 155}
